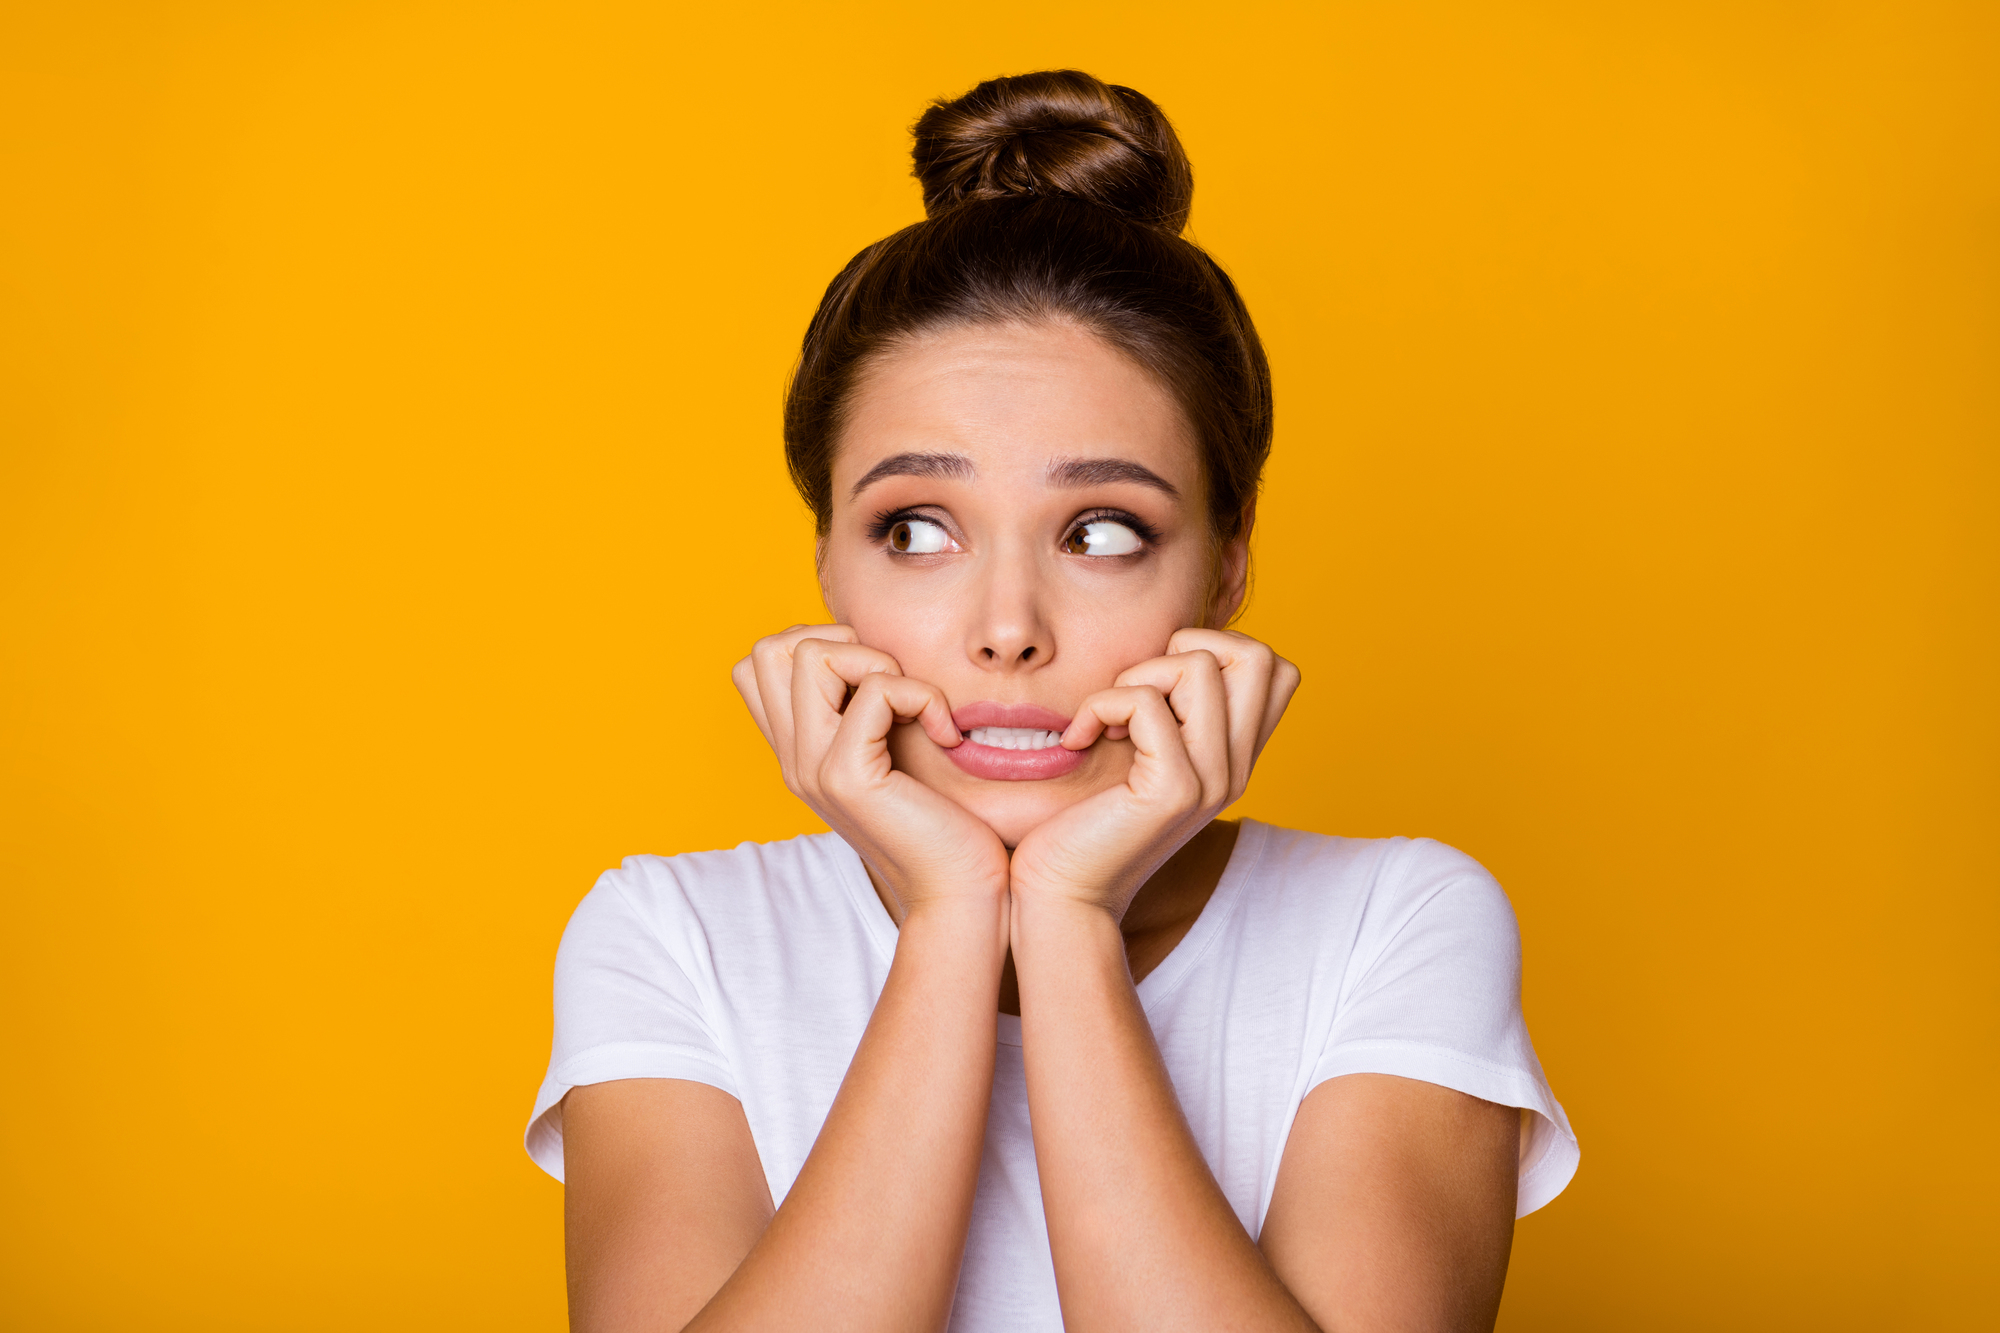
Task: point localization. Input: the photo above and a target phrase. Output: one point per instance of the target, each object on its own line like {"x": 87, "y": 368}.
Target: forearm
{"x": 1141, "y": 1234}
{"x": 871, "y": 1234}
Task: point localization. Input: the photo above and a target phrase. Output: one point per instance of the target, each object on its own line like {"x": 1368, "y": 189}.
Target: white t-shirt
{"x": 755, "y": 970}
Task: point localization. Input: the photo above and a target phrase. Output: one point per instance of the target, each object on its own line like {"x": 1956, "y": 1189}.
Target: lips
{"x": 1012, "y": 742}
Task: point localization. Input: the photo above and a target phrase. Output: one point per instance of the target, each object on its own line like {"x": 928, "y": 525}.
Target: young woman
{"x": 1240, "y": 1077}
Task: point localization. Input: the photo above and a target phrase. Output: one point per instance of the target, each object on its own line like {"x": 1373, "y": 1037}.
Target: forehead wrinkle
{"x": 916, "y": 465}
{"x": 1071, "y": 473}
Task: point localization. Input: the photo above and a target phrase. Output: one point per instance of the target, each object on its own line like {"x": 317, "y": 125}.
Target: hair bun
{"x": 1058, "y": 132}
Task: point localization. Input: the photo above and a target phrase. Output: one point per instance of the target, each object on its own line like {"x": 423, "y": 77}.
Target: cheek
{"x": 878, "y": 611}
{"x": 1102, "y": 641}
{"x": 914, "y": 641}
{"x": 1122, "y": 625}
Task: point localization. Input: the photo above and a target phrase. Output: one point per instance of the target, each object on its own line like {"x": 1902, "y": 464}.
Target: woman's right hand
{"x": 833, "y": 747}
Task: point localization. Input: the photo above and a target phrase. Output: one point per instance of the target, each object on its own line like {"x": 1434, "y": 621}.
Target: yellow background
{"x": 391, "y": 472}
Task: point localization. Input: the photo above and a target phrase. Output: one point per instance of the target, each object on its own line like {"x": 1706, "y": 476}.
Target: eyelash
{"x": 1146, "y": 532}
{"x": 879, "y": 528}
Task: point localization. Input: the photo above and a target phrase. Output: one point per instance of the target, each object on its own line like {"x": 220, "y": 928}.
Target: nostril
{"x": 1027, "y": 653}
{"x": 987, "y": 653}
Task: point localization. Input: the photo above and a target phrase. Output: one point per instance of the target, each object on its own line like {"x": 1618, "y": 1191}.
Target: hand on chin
{"x": 1197, "y": 718}
{"x": 1013, "y": 806}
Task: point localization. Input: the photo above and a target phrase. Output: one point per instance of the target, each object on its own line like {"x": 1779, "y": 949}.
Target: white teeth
{"x": 1014, "y": 738}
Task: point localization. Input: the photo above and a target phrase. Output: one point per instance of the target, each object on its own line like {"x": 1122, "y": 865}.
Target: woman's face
{"x": 1018, "y": 516}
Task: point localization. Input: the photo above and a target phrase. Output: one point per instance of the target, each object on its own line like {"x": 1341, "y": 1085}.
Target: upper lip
{"x": 989, "y": 714}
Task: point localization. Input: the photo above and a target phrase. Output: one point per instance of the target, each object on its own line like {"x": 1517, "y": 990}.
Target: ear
{"x": 819, "y": 572}
{"x": 1232, "y": 575}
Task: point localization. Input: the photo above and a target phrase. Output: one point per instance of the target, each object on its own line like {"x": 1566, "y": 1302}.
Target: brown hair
{"x": 1047, "y": 196}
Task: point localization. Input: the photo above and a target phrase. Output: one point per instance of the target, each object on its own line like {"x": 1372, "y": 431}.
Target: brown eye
{"x": 1102, "y": 537}
{"x": 917, "y": 536}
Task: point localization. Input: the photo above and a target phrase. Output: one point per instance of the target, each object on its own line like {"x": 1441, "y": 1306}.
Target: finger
{"x": 859, "y": 749}
{"x": 823, "y": 675}
{"x": 771, "y": 665}
{"x": 1192, "y": 685}
{"x": 744, "y": 677}
{"x": 823, "y": 671}
{"x": 1248, "y": 669}
{"x": 1156, "y": 735}
{"x": 1284, "y": 684}
{"x": 909, "y": 700}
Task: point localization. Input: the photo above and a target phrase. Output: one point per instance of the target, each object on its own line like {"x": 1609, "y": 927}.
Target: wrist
{"x": 962, "y": 922}
{"x": 1064, "y": 921}
{"x": 904, "y": 890}
{"x": 1069, "y": 901}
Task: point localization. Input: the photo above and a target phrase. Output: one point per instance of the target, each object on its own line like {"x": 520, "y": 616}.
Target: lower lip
{"x": 992, "y": 762}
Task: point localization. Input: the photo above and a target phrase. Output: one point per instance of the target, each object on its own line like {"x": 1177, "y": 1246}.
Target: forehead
{"x": 1013, "y": 398}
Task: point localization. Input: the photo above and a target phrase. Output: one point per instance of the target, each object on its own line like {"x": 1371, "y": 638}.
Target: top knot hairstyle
{"x": 1060, "y": 133}
{"x": 1049, "y": 197}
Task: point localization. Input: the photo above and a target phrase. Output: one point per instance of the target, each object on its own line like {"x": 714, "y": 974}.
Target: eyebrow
{"x": 1071, "y": 473}
{"x": 915, "y": 465}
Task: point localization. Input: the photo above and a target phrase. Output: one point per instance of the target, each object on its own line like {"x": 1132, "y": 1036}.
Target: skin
{"x": 1395, "y": 1198}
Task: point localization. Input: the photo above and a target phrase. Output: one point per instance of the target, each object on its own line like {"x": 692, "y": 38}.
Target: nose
{"x": 1008, "y": 631}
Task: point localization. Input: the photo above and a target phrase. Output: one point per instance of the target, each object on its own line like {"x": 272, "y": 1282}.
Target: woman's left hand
{"x": 1197, "y": 718}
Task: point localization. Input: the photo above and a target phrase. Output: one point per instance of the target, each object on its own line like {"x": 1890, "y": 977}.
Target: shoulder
{"x": 668, "y": 896}
{"x": 1426, "y": 880}
{"x": 1374, "y": 892}
{"x": 1389, "y": 874}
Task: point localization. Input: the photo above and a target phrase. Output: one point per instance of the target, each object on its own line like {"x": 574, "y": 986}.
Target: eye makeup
{"x": 887, "y": 520}
{"x": 884, "y": 524}
{"x": 1145, "y": 531}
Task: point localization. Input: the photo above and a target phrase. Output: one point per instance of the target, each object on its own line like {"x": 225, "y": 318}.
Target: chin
{"x": 1012, "y": 814}
{"x": 1011, "y": 808}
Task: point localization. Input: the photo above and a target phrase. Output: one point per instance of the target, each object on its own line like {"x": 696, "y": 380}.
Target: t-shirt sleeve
{"x": 1433, "y": 992}
{"x": 625, "y": 1005}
